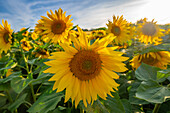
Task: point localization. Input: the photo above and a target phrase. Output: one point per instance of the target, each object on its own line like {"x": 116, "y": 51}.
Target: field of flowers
{"x": 59, "y": 67}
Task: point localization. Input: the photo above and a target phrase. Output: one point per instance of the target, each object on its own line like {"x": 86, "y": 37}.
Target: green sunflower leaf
{"x": 132, "y": 97}
{"x": 17, "y": 103}
{"x": 157, "y": 48}
{"x": 126, "y": 105}
{"x": 114, "y": 105}
{"x": 46, "y": 102}
{"x": 10, "y": 65}
{"x": 146, "y": 72}
{"x": 3, "y": 99}
{"x": 10, "y": 77}
{"x": 4, "y": 86}
{"x": 162, "y": 75}
{"x": 152, "y": 91}
{"x": 18, "y": 84}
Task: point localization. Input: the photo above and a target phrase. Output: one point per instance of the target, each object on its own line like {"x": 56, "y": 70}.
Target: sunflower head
{"x": 97, "y": 34}
{"x": 38, "y": 27}
{"x": 85, "y": 70}
{"x": 25, "y": 33}
{"x": 119, "y": 28}
{"x": 41, "y": 53}
{"x": 5, "y": 36}
{"x": 57, "y": 26}
{"x": 71, "y": 34}
{"x": 158, "y": 59}
{"x": 149, "y": 32}
{"x": 34, "y": 36}
{"x": 25, "y": 45}
{"x": 141, "y": 21}
{"x": 167, "y": 32}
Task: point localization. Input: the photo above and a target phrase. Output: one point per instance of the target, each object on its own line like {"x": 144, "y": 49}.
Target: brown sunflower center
{"x": 93, "y": 32}
{"x": 42, "y": 52}
{"x": 149, "y": 29}
{"x": 100, "y": 33}
{"x": 58, "y": 27}
{"x": 25, "y": 43}
{"x": 116, "y": 30}
{"x": 85, "y": 64}
{"x": 149, "y": 60}
{"x": 6, "y": 38}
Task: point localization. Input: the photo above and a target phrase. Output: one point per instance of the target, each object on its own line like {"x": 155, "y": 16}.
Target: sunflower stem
{"x": 10, "y": 99}
{"x": 9, "y": 96}
{"x": 156, "y": 108}
{"x": 32, "y": 91}
{"x": 26, "y": 64}
{"x": 81, "y": 110}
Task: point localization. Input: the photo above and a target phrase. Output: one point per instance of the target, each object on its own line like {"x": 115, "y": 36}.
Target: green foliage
{"x": 114, "y": 105}
{"x": 19, "y": 84}
{"x": 151, "y": 87}
{"x": 153, "y": 92}
{"x": 146, "y": 72}
{"x": 46, "y": 102}
{"x": 27, "y": 88}
{"x": 17, "y": 103}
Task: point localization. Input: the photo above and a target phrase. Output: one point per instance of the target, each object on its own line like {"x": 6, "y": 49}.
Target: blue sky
{"x": 86, "y": 13}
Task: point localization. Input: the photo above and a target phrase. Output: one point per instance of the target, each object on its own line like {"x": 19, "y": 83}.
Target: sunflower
{"x": 97, "y": 34}
{"x": 167, "y": 32}
{"x": 141, "y": 21}
{"x": 25, "y": 33}
{"x": 45, "y": 39}
{"x": 5, "y": 36}
{"x": 86, "y": 70}
{"x": 119, "y": 28}
{"x": 159, "y": 59}
{"x": 124, "y": 46}
{"x": 41, "y": 53}
{"x": 149, "y": 32}
{"x": 25, "y": 44}
{"x": 38, "y": 28}
{"x": 34, "y": 36}
{"x": 71, "y": 34}
{"x": 56, "y": 26}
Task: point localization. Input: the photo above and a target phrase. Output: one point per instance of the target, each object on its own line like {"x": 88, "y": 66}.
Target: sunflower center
{"x": 42, "y": 52}
{"x": 100, "y": 33}
{"x": 149, "y": 60}
{"x": 149, "y": 29}
{"x": 6, "y": 38}
{"x": 116, "y": 30}
{"x": 58, "y": 27}
{"x": 85, "y": 64}
{"x": 25, "y": 43}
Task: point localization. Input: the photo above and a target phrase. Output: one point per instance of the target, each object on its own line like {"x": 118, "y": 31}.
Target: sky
{"x": 87, "y": 14}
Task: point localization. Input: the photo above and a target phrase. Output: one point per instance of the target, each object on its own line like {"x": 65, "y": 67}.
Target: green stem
{"x": 28, "y": 103}
{"x": 9, "y": 96}
{"x": 26, "y": 64}
{"x": 10, "y": 99}
{"x": 32, "y": 91}
{"x": 81, "y": 110}
{"x": 21, "y": 67}
{"x": 38, "y": 88}
{"x": 156, "y": 108}
{"x": 27, "y": 68}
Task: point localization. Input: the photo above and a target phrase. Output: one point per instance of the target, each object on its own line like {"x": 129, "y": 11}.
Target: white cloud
{"x": 87, "y": 14}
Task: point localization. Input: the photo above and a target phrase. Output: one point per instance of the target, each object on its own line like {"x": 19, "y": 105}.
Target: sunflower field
{"x": 58, "y": 67}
